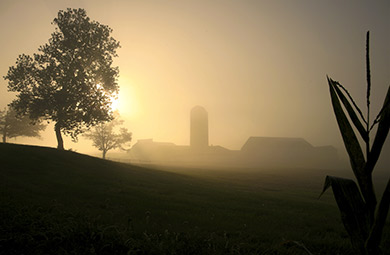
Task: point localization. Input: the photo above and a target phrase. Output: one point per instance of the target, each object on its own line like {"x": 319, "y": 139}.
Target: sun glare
{"x": 126, "y": 102}
{"x": 114, "y": 103}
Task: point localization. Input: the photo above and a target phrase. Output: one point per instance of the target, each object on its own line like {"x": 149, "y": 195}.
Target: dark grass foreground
{"x": 61, "y": 202}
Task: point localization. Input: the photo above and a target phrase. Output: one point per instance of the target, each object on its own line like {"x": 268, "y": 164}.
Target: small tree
{"x": 12, "y": 125}
{"x": 71, "y": 80}
{"x": 362, "y": 218}
{"x": 105, "y": 138}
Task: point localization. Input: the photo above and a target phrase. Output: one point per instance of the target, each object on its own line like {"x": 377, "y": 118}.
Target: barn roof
{"x": 275, "y": 143}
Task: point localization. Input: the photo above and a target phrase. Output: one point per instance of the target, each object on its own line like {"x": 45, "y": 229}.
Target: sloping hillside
{"x": 43, "y": 176}
{"x": 62, "y": 202}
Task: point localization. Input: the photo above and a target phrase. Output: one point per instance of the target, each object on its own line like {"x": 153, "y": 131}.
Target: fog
{"x": 258, "y": 67}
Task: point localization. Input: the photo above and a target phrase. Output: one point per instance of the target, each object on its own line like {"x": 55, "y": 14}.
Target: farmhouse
{"x": 256, "y": 152}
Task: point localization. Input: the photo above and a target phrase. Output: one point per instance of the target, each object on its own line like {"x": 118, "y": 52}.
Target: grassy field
{"x": 61, "y": 202}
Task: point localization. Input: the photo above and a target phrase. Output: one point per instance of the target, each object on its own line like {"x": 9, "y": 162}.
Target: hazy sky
{"x": 258, "y": 67}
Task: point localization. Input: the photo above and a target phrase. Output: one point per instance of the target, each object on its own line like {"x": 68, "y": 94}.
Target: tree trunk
{"x": 60, "y": 142}
{"x": 104, "y": 154}
{"x": 5, "y": 133}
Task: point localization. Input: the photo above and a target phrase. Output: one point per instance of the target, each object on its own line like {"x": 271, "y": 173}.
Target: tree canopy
{"x": 105, "y": 138}
{"x": 71, "y": 80}
{"x": 12, "y": 125}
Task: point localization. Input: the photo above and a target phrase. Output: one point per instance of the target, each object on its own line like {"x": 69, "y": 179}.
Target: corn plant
{"x": 362, "y": 217}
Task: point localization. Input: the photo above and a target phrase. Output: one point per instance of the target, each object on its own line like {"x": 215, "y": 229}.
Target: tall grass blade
{"x": 352, "y": 114}
{"x": 353, "y": 210}
{"x": 381, "y": 134}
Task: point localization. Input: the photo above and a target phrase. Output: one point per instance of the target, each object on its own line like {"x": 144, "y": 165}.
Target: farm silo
{"x": 199, "y": 129}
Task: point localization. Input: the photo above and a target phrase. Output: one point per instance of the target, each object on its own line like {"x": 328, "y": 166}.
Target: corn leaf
{"x": 355, "y": 153}
{"x": 353, "y": 102}
{"x": 381, "y": 134}
{"x": 350, "y": 140}
{"x": 353, "y": 210}
{"x": 374, "y": 239}
{"x": 352, "y": 114}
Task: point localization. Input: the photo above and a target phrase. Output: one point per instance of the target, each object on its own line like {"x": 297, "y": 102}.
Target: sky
{"x": 258, "y": 67}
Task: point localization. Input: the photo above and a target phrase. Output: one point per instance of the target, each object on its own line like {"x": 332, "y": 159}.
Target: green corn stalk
{"x": 363, "y": 219}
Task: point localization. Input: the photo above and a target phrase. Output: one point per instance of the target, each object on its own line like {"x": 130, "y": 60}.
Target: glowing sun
{"x": 115, "y": 103}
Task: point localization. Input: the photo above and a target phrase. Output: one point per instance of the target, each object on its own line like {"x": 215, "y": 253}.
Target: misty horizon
{"x": 258, "y": 67}
{"x": 195, "y": 127}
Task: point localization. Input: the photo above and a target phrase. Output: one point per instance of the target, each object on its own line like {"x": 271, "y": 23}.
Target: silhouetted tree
{"x": 71, "y": 80}
{"x": 12, "y": 125}
{"x": 363, "y": 219}
{"x": 105, "y": 138}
